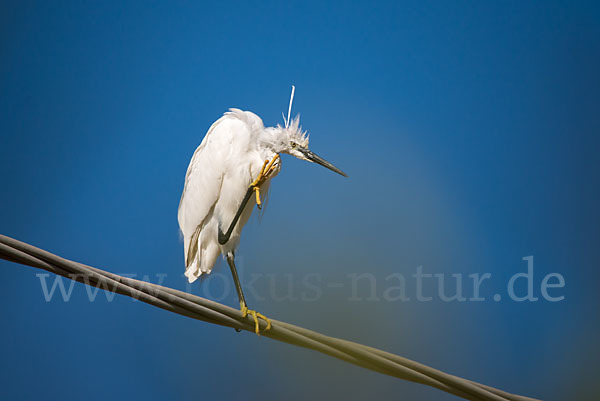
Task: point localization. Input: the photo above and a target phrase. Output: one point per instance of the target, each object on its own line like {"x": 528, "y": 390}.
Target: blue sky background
{"x": 470, "y": 134}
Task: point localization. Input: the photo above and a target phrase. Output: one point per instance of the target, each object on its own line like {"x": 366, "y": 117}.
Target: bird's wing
{"x": 204, "y": 177}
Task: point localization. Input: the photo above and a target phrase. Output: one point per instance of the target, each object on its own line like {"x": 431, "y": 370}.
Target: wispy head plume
{"x": 287, "y": 121}
{"x": 292, "y": 125}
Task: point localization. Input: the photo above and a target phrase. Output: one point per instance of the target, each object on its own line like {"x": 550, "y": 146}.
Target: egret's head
{"x": 294, "y": 141}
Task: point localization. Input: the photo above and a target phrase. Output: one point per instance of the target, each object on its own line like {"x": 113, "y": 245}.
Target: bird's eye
{"x": 293, "y": 144}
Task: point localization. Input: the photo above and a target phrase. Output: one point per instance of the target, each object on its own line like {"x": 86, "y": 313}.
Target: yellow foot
{"x": 266, "y": 170}
{"x": 255, "y": 315}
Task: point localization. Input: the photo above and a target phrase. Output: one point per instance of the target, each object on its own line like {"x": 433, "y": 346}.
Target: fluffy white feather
{"x": 222, "y": 168}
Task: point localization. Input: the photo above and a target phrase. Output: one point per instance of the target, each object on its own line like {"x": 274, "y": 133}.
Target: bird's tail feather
{"x": 192, "y": 272}
{"x": 200, "y": 260}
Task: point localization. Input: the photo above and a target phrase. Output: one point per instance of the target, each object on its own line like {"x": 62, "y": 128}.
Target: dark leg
{"x": 243, "y": 307}
{"x": 224, "y": 237}
{"x": 236, "y": 279}
{"x": 266, "y": 170}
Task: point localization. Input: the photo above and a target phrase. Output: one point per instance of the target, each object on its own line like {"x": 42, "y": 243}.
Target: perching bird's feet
{"x": 255, "y": 315}
{"x": 266, "y": 170}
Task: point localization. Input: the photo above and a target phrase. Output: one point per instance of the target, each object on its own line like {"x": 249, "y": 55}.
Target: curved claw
{"x": 266, "y": 319}
{"x": 267, "y": 169}
{"x": 255, "y": 315}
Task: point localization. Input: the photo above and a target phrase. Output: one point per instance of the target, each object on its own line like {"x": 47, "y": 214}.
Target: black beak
{"x": 319, "y": 160}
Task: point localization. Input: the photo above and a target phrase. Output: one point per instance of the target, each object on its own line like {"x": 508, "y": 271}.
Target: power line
{"x": 213, "y": 312}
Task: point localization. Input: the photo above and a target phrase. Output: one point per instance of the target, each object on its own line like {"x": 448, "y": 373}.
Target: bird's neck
{"x": 271, "y": 140}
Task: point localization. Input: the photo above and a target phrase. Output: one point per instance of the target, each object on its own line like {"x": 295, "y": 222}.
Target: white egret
{"x": 237, "y": 159}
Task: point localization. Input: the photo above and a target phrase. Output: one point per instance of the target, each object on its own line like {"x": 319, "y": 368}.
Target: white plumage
{"x": 222, "y": 168}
